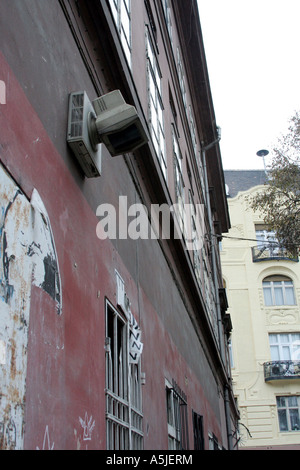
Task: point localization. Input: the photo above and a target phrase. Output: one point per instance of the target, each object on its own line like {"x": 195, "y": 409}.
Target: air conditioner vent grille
{"x": 77, "y": 115}
{"x": 102, "y": 105}
{"x": 89, "y": 158}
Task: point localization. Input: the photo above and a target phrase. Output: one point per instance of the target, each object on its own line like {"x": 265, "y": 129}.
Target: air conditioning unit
{"x": 88, "y": 154}
{"x": 117, "y": 124}
{"x": 109, "y": 121}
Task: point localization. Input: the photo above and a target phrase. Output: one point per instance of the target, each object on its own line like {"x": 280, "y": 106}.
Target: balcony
{"x": 269, "y": 252}
{"x": 281, "y": 370}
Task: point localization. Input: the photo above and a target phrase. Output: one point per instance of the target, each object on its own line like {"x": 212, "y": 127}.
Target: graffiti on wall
{"x": 27, "y": 254}
{"x": 88, "y": 425}
{"x": 47, "y": 445}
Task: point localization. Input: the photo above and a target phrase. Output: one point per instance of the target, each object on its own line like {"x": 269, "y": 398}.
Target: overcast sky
{"x": 253, "y": 58}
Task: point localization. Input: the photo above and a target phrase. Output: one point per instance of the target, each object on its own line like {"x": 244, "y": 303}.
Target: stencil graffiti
{"x": 88, "y": 425}
{"x": 135, "y": 344}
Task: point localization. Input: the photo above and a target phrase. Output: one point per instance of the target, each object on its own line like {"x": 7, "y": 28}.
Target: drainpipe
{"x": 228, "y": 421}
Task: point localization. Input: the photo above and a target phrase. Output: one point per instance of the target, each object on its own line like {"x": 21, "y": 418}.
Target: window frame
{"x": 286, "y": 284}
{"x": 287, "y": 408}
{"x": 198, "y": 429}
{"x": 182, "y": 80}
{"x": 155, "y": 105}
{"x": 123, "y": 402}
{"x": 168, "y": 18}
{"x": 119, "y": 9}
{"x": 179, "y": 182}
{"x": 284, "y": 343}
{"x": 177, "y": 420}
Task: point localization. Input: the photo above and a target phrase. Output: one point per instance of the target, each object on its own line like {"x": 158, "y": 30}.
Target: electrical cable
{"x": 253, "y": 240}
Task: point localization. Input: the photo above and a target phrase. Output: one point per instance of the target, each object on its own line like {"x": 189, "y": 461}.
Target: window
{"x": 177, "y": 419}
{"x": 266, "y": 238}
{"x": 181, "y": 77}
{"x": 230, "y": 352}
{"x": 267, "y": 242}
{"x": 285, "y": 346}
{"x": 198, "y": 432}
{"x": 167, "y": 12}
{"x": 156, "y": 106}
{"x": 121, "y": 10}
{"x": 194, "y": 237}
{"x": 179, "y": 182}
{"x": 269, "y": 247}
{"x": 278, "y": 290}
{"x": 193, "y": 131}
{"x": 213, "y": 442}
{"x": 123, "y": 386}
{"x": 288, "y": 413}
{"x": 209, "y": 290}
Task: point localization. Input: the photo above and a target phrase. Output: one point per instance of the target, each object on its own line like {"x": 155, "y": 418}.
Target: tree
{"x": 279, "y": 202}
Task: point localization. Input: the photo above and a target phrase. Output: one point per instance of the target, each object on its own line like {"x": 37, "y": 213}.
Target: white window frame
{"x": 281, "y": 285}
{"x": 156, "y": 109}
{"x": 167, "y": 12}
{"x": 179, "y": 183}
{"x": 285, "y": 346}
{"x": 181, "y": 76}
{"x": 195, "y": 240}
{"x": 123, "y": 386}
{"x": 121, "y": 10}
{"x": 193, "y": 131}
{"x": 287, "y": 406}
{"x": 177, "y": 418}
{"x": 173, "y": 418}
{"x": 267, "y": 239}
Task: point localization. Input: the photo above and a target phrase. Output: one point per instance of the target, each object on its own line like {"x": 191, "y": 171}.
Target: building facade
{"x": 112, "y": 334}
{"x": 262, "y": 283}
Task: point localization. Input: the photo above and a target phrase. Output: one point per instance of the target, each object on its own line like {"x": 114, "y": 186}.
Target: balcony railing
{"x": 267, "y": 253}
{"x": 278, "y": 370}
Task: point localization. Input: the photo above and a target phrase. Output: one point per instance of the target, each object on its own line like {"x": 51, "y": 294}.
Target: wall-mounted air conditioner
{"x": 109, "y": 121}
{"x": 81, "y": 113}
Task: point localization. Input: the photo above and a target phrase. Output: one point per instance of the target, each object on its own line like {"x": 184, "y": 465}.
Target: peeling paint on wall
{"x": 43, "y": 252}
{"x": 15, "y": 281}
{"x": 27, "y": 254}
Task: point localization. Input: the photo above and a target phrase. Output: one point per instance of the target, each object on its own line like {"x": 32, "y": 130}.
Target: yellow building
{"x": 263, "y": 291}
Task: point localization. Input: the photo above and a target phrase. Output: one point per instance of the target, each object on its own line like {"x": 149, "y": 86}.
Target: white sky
{"x": 253, "y": 57}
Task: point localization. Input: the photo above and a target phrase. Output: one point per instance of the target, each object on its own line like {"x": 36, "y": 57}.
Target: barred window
{"x": 123, "y": 386}
{"x": 177, "y": 419}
